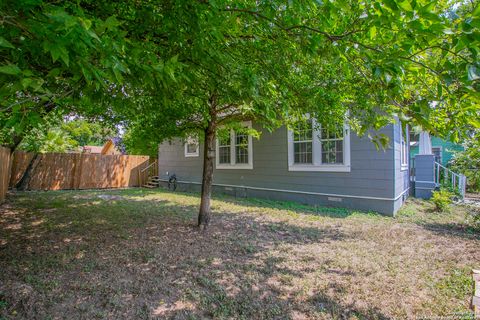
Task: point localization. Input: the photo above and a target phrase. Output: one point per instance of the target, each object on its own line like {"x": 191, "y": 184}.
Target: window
{"x": 241, "y": 148}
{"x": 235, "y": 150}
{"x": 224, "y": 150}
{"x": 403, "y": 150}
{"x": 437, "y": 151}
{"x": 332, "y": 146}
{"x": 303, "y": 143}
{"x": 191, "y": 147}
{"x": 312, "y": 149}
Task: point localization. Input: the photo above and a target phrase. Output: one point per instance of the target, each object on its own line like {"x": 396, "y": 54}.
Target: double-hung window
{"x": 332, "y": 146}
{"x": 303, "y": 143}
{"x": 191, "y": 147}
{"x": 223, "y": 150}
{"x": 234, "y": 151}
{"x": 311, "y": 148}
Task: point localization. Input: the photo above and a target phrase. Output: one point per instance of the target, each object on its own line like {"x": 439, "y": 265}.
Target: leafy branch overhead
{"x": 270, "y": 61}
{"x": 177, "y": 67}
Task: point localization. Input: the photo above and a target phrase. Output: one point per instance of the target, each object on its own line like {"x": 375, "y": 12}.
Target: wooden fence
{"x": 59, "y": 171}
{"x": 4, "y": 172}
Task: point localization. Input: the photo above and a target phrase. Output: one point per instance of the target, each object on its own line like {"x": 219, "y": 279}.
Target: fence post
{"x": 476, "y": 293}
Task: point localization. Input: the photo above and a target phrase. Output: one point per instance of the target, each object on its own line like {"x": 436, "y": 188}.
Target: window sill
{"x": 322, "y": 168}
{"x": 190, "y": 155}
{"x": 237, "y": 166}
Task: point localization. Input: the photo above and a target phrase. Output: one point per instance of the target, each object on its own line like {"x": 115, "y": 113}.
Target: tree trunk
{"x": 24, "y": 181}
{"x": 207, "y": 179}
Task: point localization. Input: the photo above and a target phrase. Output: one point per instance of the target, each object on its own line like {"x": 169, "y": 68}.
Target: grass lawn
{"x": 136, "y": 254}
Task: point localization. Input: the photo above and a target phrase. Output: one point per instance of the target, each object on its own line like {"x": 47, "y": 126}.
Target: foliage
{"x": 54, "y": 140}
{"x": 175, "y": 67}
{"x": 475, "y": 218}
{"x": 272, "y": 63}
{"x": 60, "y": 135}
{"x": 65, "y": 58}
{"x": 138, "y": 141}
{"x": 442, "y": 199}
{"x": 86, "y": 132}
{"x": 467, "y": 162}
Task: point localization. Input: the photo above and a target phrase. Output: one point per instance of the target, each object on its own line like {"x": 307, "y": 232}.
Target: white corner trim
{"x": 317, "y": 154}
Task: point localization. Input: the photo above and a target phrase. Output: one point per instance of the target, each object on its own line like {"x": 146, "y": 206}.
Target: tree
{"x": 273, "y": 62}
{"x": 56, "y": 134}
{"x": 63, "y": 58}
{"x": 86, "y": 132}
{"x": 177, "y": 67}
{"x": 467, "y": 162}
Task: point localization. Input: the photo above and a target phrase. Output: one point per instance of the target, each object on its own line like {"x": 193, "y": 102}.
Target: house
{"x": 92, "y": 149}
{"x": 312, "y": 166}
{"x": 108, "y": 148}
{"x": 442, "y": 149}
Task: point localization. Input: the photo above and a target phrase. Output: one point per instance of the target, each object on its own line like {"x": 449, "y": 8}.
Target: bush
{"x": 442, "y": 199}
{"x": 475, "y": 214}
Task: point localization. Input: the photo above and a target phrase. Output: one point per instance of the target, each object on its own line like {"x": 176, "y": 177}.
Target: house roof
{"x": 92, "y": 149}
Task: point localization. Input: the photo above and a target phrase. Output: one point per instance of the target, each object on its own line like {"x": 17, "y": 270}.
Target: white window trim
{"x": 192, "y": 154}
{"x": 403, "y": 150}
{"x": 232, "y": 164}
{"x": 317, "y": 153}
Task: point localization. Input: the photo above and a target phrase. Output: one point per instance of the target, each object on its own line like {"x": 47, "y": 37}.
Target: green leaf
{"x": 4, "y": 43}
{"x": 111, "y": 23}
{"x": 26, "y": 82}
{"x": 10, "y": 69}
{"x": 476, "y": 12}
{"x": 439, "y": 89}
{"x": 372, "y": 32}
{"x": 405, "y": 5}
{"x": 474, "y": 122}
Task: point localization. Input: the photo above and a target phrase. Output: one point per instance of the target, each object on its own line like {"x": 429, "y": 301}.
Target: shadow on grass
{"x": 460, "y": 230}
{"x": 97, "y": 258}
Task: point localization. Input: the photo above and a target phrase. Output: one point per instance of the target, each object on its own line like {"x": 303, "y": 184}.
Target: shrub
{"x": 442, "y": 200}
{"x": 475, "y": 214}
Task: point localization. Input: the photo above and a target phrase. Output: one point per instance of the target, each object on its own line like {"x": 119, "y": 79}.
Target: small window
{"x": 191, "y": 147}
{"x": 303, "y": 143}
{"x": 234, "y": 151}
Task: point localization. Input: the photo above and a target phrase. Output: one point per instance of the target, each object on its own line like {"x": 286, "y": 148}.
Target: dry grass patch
{"x": 137, "y": 254}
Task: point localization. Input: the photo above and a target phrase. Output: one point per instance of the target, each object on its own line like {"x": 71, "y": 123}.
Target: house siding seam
{"x": 371, "y": 175}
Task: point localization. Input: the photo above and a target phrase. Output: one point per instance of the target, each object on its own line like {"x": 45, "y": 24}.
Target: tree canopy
{"x": 177, "y": 67}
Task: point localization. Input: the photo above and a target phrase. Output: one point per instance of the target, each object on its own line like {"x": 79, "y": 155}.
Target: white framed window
{"x": 191, "y": 147}
{"x": 316, "y": 149}
{"x": 403, "y": 150}
{"x": 234, "y": 151}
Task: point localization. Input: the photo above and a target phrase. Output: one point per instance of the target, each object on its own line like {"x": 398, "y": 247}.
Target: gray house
{"x": 310, "y": 166}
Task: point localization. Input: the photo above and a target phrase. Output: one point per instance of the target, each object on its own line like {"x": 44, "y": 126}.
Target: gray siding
{"x": 370, "y": 185}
